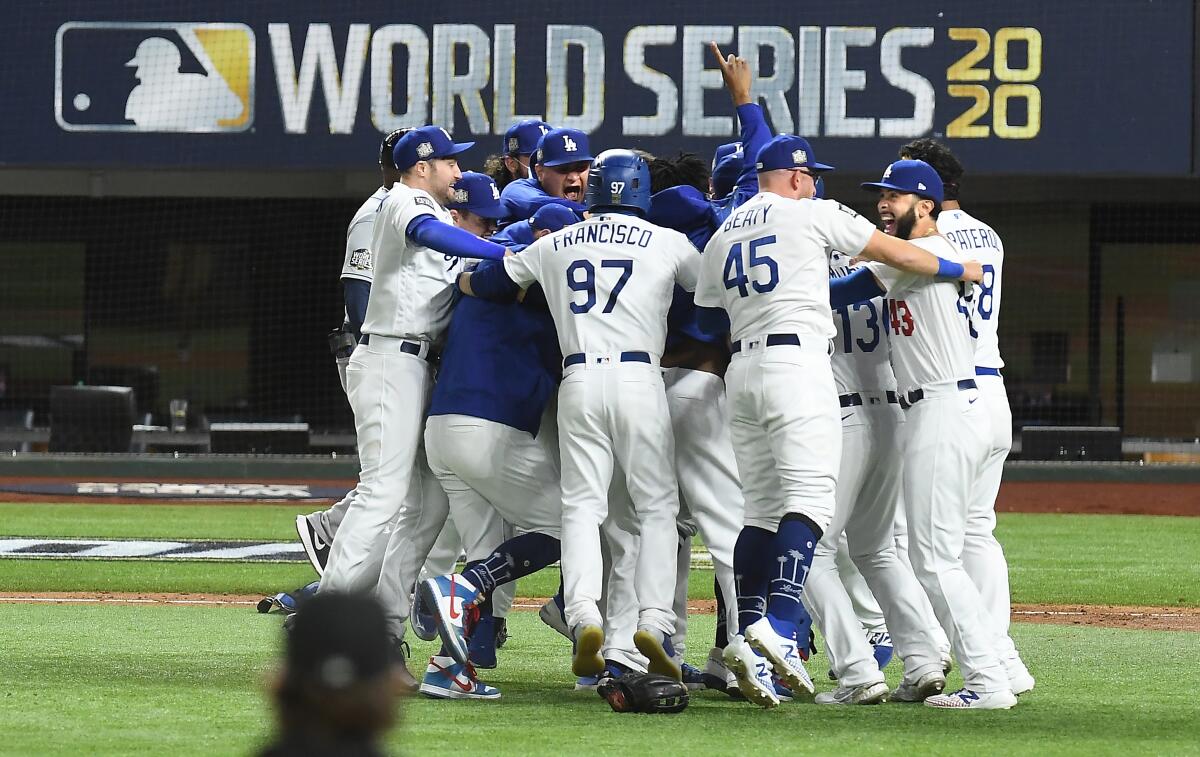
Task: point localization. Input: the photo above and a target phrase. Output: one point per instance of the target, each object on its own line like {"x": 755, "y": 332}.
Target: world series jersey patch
{"x": 361, "y": 259}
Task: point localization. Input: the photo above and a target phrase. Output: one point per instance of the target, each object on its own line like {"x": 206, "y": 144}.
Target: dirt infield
{"x": 1110, "y": 498}
{"x": 1110, "y": 616}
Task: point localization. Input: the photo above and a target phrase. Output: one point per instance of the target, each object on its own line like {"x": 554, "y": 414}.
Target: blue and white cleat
{"x": 447, "y": 679}
{"x": 693, "y": 677}
{"x": 587, "y": 683}
{"x": 451, "y": 600}
{"x": 753, "y": 673}
{"x": 772, "y": 640}
{"x": 881, "y": 641}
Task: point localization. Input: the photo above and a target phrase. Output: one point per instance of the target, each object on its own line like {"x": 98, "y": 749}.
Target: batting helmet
{"x": 619, "y": 179}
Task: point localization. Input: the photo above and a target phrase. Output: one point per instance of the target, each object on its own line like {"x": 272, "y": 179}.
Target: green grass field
{"x": 114, "y": 679}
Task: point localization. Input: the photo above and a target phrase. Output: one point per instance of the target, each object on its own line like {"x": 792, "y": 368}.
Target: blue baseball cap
{"x": 477, "y": 193}
{"x": 558, "y": 147}
{"x": 726, "y": 173}
{"x": 426, "y": 143}
{"x": 911, "y": 177}
{"x": 552, "y": 217}
{"x": 787, "y": 151}
{"x": 522, "y": 137}
{"x": 724, "y": 151}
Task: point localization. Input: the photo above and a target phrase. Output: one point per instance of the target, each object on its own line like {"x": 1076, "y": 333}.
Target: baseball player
{"x": 489, "y": 439}
{"x": 695, "y": 361}
{"x": 944, "y": 434}
{"x": 516, "y": 152}
{"x": 559, "y": 172}
{"x": 389, "y": 375}
{"x": 316, "y": 530}
{"x": 787, "y": 444}
{"x": 608, "y": 281}
{"x": 867, "y": 494}
{"x": 982, "y": 555}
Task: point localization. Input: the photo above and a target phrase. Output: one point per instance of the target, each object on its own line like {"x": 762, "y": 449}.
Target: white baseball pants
{"x": 945, "y": 440}
{"x": 612, "y": 412}
{"x": 707, "y": 471}
{"x": 786, "y": 435}
{"x": 983, "y": 557}
{"x": 867, "y": 494}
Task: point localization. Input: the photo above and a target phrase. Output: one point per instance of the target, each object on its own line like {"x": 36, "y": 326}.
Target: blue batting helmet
{"x": 619, "y": 179}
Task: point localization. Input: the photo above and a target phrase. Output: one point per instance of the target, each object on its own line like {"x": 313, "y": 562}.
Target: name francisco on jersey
{"x": 606, "y": 233}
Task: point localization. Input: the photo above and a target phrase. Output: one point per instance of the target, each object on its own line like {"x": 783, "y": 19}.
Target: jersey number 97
{"x": 581, "y": 277}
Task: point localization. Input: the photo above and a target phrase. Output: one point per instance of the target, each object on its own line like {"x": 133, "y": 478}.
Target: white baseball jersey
{"x": 860, "y": 359}
{"x": 980, "y": 242}
{"x": 359, "y": 262}
{"x": 608, "y": 281}
{"x": 768, "y": 264}
{"x": 413, "y": 289}
{"x": 928, "y": 322}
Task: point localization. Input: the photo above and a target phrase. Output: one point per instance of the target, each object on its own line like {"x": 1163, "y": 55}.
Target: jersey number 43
{"x": 739, "y": 260}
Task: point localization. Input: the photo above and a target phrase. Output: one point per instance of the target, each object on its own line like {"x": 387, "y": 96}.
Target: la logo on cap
{"x": 495, "y": 192}
{"x": 887, "y": 172}
{"x": 799, "y": 157}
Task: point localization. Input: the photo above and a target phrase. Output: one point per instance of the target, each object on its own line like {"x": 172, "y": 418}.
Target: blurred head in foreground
{"x": 337, "y": 691}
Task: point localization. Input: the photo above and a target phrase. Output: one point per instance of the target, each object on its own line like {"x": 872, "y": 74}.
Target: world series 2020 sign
{"x": 1027, "y": 88}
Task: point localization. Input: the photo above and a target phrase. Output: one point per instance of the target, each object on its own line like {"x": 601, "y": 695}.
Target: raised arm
{"x": 755, "y": 133}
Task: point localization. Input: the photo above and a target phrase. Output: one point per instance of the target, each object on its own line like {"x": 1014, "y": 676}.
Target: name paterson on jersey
{"x": 973, "y": 239}
{"x": 608, "y": 233}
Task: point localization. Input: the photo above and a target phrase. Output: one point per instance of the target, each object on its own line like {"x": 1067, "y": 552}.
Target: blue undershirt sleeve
{"x": 355, "y": 292}
{"x": 490, "y": 281}
{"x": 857, "y": 287}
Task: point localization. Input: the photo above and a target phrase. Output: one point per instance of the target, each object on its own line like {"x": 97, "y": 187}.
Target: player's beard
{"x": 906, "y": 223}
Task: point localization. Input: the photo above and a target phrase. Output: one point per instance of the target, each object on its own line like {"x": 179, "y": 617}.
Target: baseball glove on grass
{"x": 644, "y": 692}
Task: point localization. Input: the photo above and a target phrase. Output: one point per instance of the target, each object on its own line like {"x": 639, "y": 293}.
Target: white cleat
{"x": 867, "y": 693}
{"x": 753, "y": 673}
{"x": 966, "y": 699}
{"x": 1019, "y": 679}
{"x": 784, "y": 655}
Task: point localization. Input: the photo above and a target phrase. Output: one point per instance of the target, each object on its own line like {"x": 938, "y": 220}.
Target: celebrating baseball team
{"x": 592, "y": 359}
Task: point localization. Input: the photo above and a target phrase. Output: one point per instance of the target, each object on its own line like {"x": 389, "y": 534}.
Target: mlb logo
{"x": 154, "y": 77}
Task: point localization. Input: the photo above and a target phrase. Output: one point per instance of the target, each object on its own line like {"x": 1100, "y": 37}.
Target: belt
{"x": 916, "y": 395}
{"x": 578, "y": 358}
{"x": 773, "y": 340}
{"x": 981, "y": 371}
{"x": 854, "y": 399}
{"x": 407, "y": 347}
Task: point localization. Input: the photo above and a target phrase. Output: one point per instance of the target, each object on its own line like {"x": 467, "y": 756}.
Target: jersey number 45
{"x": 736, "y": 264}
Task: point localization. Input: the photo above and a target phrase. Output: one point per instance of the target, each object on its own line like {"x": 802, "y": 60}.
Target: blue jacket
{"x": 501, "y": 362}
